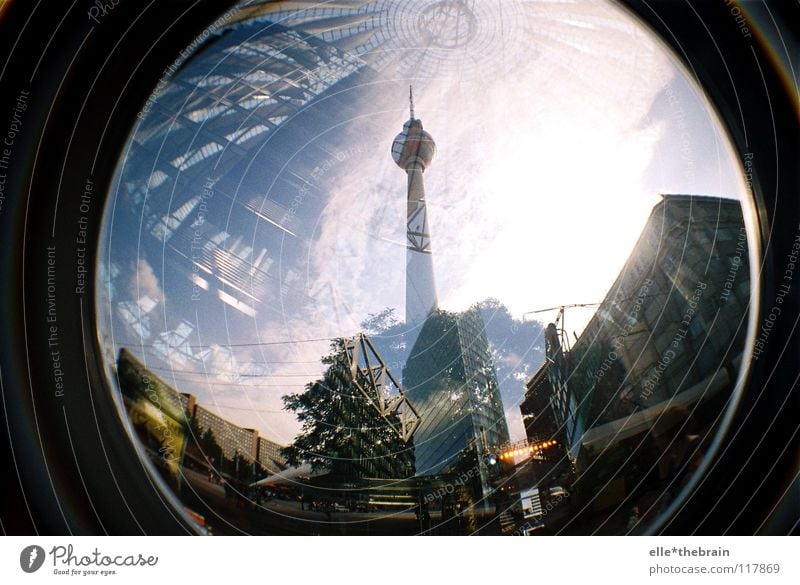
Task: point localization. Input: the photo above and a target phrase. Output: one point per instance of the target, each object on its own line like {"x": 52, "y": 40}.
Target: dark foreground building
{"x": 636, "y": 400}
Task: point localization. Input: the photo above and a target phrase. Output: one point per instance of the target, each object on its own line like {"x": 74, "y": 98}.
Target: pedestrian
{"x": 633, "y": 520}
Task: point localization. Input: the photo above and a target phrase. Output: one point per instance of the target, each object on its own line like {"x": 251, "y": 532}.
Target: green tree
{"x": 342, "y": 432}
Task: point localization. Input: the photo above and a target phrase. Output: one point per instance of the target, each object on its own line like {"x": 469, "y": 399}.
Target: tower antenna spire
{"x": 411, "y": 101}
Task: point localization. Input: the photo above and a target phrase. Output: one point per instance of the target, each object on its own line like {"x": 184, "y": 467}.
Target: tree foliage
{"x": 341, "y": 430}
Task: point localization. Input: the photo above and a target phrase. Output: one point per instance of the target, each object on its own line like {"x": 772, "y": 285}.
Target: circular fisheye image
{"x": 439, "y": 267}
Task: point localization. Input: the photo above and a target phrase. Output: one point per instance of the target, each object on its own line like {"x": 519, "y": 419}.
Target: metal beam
{"x": 368, "y": 372}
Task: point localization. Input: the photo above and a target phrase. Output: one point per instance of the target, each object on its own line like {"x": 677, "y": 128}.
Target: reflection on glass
{"x": 533, "y": 326}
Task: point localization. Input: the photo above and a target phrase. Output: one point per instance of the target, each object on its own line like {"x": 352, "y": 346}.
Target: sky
{"x": 556, "y": 132}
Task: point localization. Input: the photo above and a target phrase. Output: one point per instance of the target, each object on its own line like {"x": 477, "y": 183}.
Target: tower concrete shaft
{"x": 420, "y": 283}
{"x": 413, "y": 151}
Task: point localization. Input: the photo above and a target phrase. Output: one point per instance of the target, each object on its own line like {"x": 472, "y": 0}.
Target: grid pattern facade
{"x": 674, "y": 317}
{"x": 537, "y": 411}
{"x": 269, "y": 455}
{"x": 180, "y": 176}
{"x": 450, "y": 380}
{"x": 233, "y": 439}
{"x": 424, "y": 38}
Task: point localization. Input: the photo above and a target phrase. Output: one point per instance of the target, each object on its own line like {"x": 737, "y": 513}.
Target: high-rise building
{"x": 637, "y": 398}
{"x": 537, "y": 411}
{"x": 451, "y": 381}
{"x": 449, "y": 375}
{"x": 670, "y": 331}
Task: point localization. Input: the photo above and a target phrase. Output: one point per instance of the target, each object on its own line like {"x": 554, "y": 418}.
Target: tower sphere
{"x": 413, "y": 146}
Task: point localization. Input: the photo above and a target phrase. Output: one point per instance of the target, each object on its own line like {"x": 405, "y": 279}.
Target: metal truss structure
{"x": 419, "y": 239}
{"x": 370, "y": 374}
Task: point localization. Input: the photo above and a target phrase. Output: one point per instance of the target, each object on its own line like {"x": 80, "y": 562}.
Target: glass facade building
{"x": 674, "y": 316}
{"x": 217, "y": 198}
{"x": 637, "y": 399}
{"x": 450, "y": 380}
{"x": 180, "y": 180}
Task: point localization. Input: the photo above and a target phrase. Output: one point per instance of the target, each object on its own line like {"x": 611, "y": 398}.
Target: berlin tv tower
{"x": 413, "y": 150}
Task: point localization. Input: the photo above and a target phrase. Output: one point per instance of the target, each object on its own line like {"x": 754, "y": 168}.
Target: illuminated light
{"x": 200, "y": 281}
{"x": 236, "y": 303}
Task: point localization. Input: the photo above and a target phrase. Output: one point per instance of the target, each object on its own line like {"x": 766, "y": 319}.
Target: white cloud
{"x": 540, "y": 188}
{"x": 537, "y": 191}
{"x": 144, "y": 282}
